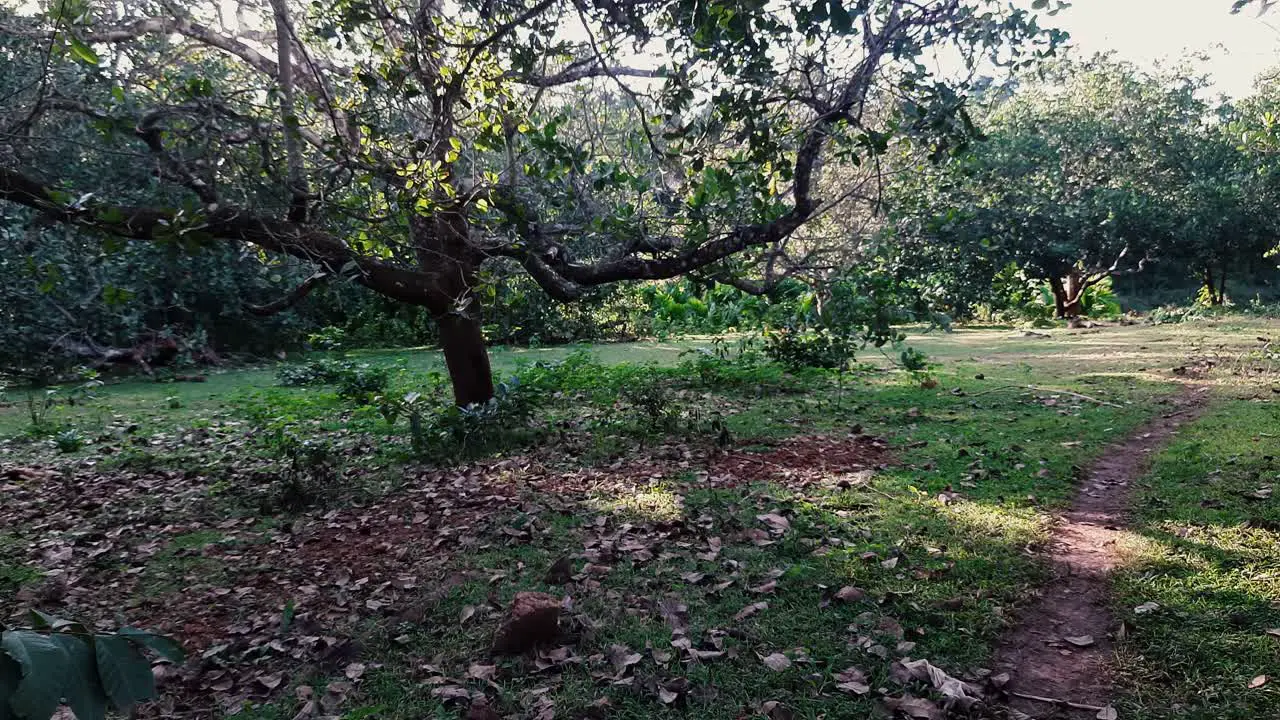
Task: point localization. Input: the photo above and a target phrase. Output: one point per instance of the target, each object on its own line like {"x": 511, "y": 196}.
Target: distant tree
{"x": 1085, "y": 175}
{"x": 403, "y": 144}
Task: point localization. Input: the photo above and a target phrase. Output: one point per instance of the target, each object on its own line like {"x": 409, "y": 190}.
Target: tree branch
{"x": 293, "y": 298}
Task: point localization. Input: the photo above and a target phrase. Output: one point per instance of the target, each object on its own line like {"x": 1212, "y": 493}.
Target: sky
{"x": 1145, "y": 31}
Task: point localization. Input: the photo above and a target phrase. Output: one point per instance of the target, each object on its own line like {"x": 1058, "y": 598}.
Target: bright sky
{"x": 1145, "y": 31}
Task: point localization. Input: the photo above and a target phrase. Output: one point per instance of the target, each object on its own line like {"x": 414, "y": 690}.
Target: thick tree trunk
{"x": 466, "y": 357}
{"x": 1060, "y": 298}
{"x": 1073, "y": 287}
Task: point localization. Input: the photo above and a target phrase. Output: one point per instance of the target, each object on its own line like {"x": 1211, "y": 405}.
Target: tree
{"x": 402, "y": 145}
{"x": 1076, "y": 182}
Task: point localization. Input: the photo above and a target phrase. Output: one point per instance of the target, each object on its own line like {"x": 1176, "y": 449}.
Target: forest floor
{"x": 721, "y": 540}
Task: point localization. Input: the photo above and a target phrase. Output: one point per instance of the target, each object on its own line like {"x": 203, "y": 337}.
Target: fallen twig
{"x": 1037, "y": 388}
{"x": 1056, "y": 701}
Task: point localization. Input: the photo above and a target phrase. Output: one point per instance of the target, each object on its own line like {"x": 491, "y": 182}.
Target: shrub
{"x": 809, "y": 347}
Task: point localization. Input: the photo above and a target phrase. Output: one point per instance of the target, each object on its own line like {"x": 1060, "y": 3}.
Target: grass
{"x": 1211, "y": 561}
{"x": 936, "y": 541}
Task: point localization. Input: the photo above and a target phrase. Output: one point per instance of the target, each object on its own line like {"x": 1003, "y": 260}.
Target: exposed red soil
{"x": 1061, "y": 646}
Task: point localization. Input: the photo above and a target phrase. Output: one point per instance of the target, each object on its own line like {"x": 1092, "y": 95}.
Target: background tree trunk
{"x": 466, "y": 357}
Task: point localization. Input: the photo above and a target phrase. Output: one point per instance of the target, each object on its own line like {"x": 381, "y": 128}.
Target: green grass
{"x": 1210, "y": 558}
{"x": 14, "y": 573}
{"x": 937, "y": 540}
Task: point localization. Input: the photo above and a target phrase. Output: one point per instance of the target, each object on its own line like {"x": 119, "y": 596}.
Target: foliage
{"x": 1093, "y": 171}
{"x": 808, "y": 347}
{"x": 56, "y": 660}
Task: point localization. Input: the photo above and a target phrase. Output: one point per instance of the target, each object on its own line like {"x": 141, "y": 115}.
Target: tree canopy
{"x": 404, "y": 145}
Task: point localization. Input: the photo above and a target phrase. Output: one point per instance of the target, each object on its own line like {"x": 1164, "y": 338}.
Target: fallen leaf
{"x": 764, "y": 588}
{"x": 481, "y": 672}
{"x": 853, "y": 680}
{"x": 777, "y": 662}
{"x": 776, "y": 522}
{"x": 467, "y": 612}
{"x": 1080, "y": 640}
{"x": 914, "y": 707}
{"x": 891, "y": 563}
{"x": 621, "y": 657}
{"x": 1274, "y": 632}
{"x": 1107, "y": 713}
{"x": 354, "y": 671}
{"x": 1258, "y": 682}
{"x": 957, "y": 691}
{"x": 849, "y": 594}
{"x": 1146, "y": 607}
{"x": 750, "y": 610}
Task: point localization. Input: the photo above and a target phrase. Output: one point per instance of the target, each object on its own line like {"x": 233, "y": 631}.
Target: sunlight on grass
{"x": 1011, "y": 525}
{"x": 657, "y": 504}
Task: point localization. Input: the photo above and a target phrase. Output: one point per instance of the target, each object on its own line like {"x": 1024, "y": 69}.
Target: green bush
{"x": 809, "y": 347}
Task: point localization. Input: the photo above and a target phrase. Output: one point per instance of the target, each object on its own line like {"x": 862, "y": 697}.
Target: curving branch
{"x": 332, "y": 255}
{"x": 293, "y": 298}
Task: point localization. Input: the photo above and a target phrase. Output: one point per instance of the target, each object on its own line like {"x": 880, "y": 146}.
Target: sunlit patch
{"x": 1009, "y": 524}
{"x": 656, "y": 504}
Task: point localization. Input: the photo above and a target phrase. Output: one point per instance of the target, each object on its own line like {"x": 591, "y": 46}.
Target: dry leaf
{"x": 777, "y": 662}
{"x": 1258, "y": 682}
{"x": 750, "y": 610}
{"x": 764, "y": 588}
{"x": 1107, "y": 713}
{"x": 914, "y": 707}
{"x": 853, "y": 680}
{"x": 467, "y": 612}
{"x": 1080, "y": 640}
{"x": 354, "y": 671}
{"x": 849, "y": 594}
{"x": 1146, "y": 607}
{"x": 776, "y": 522}
{"x": 481, "y": 672}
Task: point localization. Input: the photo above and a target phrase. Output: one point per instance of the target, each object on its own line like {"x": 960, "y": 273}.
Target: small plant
{"x": 799, "y": 348}
{"x": 314, "y": 372}
{"x": 173, "y": 402}
{"x": 68, "y": 441}
{"x": 53, "y": 661}
{"x": 328, "y": 338}
{"x": 362, "y": 383}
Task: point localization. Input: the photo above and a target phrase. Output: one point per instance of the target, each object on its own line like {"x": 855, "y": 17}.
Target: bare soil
{"x": 1061, "y": 647}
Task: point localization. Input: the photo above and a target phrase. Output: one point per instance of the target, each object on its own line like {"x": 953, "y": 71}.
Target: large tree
{"x": 1084, "y": 175}
{"x": 402, "y": 144}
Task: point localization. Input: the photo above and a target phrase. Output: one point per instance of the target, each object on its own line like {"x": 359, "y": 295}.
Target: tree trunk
{"x": 1074, "y": 293}
{"x": 466, "y": 357}
{"x": 450, "y": 262}
{"x": 1059, "y": 297}
{"x": 1221, "y": 299}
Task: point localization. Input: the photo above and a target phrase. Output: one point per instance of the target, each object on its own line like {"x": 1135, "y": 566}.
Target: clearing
{"x": 725, "y": 539}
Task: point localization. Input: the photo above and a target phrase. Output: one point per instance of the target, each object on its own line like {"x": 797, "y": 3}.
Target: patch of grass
{"x": 14, "y": 573}
{"x": 182, "y": 563}
{"x": 1212, "y": 565}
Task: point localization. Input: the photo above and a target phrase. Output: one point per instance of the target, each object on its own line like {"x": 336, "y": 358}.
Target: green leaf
{"x": 10, "y": 676}
{"x": 45, "y": 667}
{"x": 125, "y": 674}
{"x": 83, "y": 688}
{"x": 84, "y": 52}
{"x": 166, "y": 647}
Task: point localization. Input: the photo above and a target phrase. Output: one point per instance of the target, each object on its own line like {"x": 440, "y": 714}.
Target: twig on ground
{"x": 1037, "y": 388}
{"x": 1056, "y": 701}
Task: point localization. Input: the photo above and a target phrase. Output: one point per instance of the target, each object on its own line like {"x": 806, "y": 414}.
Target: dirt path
{"x": 1061, "y": 647}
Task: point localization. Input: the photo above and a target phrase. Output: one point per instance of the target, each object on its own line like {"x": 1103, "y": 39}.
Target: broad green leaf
{"x": 84, "y": 52}
{"x": 125, "y": 674}
{"x": 45, "y": 667}
{"x": 166, "y": 647}
{"x": 83, "y": 688}
{"x": 10, "y": 676}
